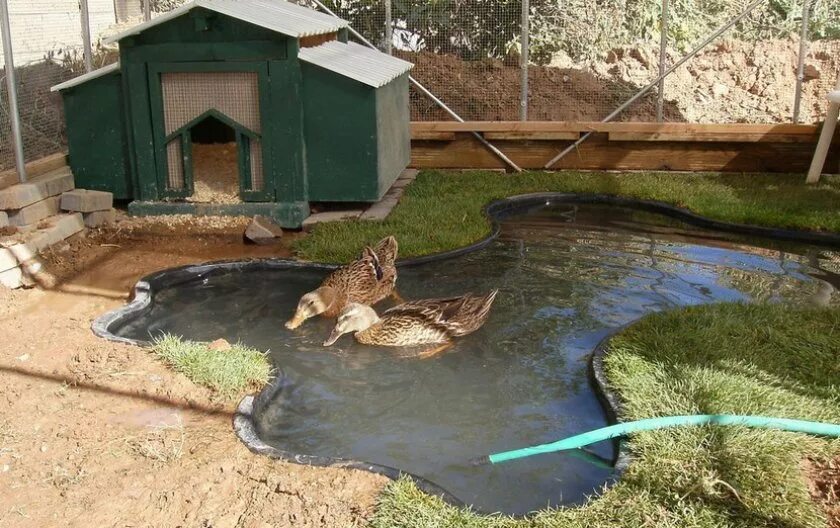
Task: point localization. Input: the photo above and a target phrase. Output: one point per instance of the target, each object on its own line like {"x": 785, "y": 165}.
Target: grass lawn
{"x": 228, "y": 372}
{"x": 442, "y": 211}
{"x": 726, "y": 358}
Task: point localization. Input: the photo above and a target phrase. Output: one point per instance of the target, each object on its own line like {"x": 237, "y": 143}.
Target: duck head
{"x": 313, "y": 303}
{"x": 354, "y": 318}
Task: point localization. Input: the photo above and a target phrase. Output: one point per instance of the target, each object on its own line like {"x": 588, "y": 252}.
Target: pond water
{"x": 568, "y": 275}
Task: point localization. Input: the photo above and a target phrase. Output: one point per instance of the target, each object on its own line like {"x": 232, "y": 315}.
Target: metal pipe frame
{"x": 84, "y": 15}
{"x": 11, "y": 90}
{"x": 523, "y": 60}
{"x": 718, "y": 32}
{"x": 430, "y": 95}
{"x": 800, "y": 67}
{"x": 389, "y": 28}
{"x": 663, "y": 58}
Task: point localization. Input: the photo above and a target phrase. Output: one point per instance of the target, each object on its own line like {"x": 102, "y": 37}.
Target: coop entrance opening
{"x": 212, "y": 137}
{"x": 215, "y": 162}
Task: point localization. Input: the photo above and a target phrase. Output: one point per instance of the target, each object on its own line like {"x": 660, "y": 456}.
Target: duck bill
{"x": 336, "y": 333}
{"x": 295, "y": 322}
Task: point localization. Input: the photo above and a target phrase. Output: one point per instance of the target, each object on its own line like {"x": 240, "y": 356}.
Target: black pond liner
{"x": 243, "y": 422}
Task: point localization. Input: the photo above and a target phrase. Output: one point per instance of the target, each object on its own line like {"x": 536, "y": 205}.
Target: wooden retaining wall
{"x": 621, "y": 146}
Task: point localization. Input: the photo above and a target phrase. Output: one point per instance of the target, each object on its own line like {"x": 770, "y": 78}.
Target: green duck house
{"x": 240, "y": 107}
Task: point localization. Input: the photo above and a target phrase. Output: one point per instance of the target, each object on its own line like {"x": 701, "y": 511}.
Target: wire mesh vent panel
{"x": 175, "y": 165}
{"x": 257, "y": 180}
{"x": 188, "y": 95}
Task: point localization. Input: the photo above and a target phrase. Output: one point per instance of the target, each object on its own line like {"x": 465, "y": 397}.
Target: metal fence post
{"x": 147, "y": 10}
{"x": 663, "y": 57}
{"x": 85, "y": 17}
{"x": 803, "y": 50}
{"x": 11, "y": 90}
{"x": 389, "y": 28}
{"x": 523, "y": 60}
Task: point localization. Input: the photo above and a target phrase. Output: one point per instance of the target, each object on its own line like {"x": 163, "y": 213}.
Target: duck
{"x": 367, "y": 280}
{"x": 421, "y": 322}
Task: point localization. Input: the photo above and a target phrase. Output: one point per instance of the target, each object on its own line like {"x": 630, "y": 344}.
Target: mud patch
{"x": 824, "y": 484}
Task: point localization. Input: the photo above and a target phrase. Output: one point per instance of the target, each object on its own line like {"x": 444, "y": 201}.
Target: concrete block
{"x": 13, "y": 256}
{"x": 39, "y": 188}
{"x": 59, "y": 228}
{"x": 21, "y": 276}
{"x": 4, "y": 219}
{"x": 34, "y": 213}
{"x": 85, "y": 201}
{"x": 100, "y": 218}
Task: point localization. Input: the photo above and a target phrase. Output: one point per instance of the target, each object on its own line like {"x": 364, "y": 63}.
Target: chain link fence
{"x": 586, "y": 57}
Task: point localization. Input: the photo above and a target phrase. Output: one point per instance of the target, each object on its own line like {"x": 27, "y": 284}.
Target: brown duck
{"x": 367, "y": 280}
{"x": 429, "y": 321}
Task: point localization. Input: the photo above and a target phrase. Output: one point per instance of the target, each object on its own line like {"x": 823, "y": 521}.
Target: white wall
{"x": 43, "y": 26}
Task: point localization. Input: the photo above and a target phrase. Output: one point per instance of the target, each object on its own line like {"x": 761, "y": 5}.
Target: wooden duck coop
{"x": 240, "y": 107}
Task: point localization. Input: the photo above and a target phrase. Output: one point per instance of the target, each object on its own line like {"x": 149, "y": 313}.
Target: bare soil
{"x": 824, "y": 484}
{"x": 94, "y": 433}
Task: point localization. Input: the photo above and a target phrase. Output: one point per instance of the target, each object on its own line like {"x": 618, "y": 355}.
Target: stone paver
{"x": 85, "y": 201}
{"x": 34, "y": 213}
{"x": 330, "y": 216}
{"x": 100, "y": 218}
{"x": 40, "y": 188}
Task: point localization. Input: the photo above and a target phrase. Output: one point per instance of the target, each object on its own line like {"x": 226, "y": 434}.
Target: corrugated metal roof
{"x": 357, "y": 62}
{"x": 277, "y": 15}
{"x": 105, "y": 70}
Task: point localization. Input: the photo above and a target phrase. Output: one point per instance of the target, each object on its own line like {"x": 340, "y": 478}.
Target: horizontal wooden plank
{"x": 532, "y": 136}
{"x": 587, "y": 126}
{"x": 599, "y": 153}
{"x": 427, "y": 135}
{"x": 497, "y": 126}
{"x": 732, "y": 137}
{"x": 34, "y": 168}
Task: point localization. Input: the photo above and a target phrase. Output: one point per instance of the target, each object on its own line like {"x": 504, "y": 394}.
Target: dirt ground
{"x": 824, "y": 484}
{"x": 94, "y": 433}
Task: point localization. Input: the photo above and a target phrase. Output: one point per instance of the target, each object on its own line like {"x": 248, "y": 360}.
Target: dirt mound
{"x": 730, "y": 82}
{"x": 489, "y": 91}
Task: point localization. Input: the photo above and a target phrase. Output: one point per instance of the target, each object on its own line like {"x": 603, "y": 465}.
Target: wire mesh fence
{"x": 586, "y": 57}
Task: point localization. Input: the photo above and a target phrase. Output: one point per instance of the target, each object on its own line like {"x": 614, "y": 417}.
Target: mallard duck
{"x": 429, "y": 321}
{"x": 366, "y": 280}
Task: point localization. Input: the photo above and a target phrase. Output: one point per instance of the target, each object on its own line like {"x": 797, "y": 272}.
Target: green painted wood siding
{"x": 96, "y": 135}
{"x": 339, "y": 118}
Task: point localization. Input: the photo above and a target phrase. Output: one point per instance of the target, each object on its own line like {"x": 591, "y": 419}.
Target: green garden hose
{"x": 626, "y": 428}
